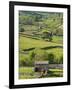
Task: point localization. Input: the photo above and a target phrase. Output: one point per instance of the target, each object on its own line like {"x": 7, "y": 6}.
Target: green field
{"x": 28, "y": 73}
{"x": 26, "y": 43}
{"x": 56, "y": 51}
{"x": 58, "y": 39}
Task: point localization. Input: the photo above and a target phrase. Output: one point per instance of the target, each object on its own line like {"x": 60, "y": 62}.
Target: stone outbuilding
{"x": 41, "y": 66}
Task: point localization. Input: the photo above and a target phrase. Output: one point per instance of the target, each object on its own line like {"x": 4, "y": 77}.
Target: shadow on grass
{"x": 54, "y": 74}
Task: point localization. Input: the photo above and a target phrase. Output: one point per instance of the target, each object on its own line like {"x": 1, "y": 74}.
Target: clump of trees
{"x": 47, "y": 35}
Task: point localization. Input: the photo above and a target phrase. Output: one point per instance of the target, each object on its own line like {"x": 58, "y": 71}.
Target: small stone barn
{"x": 41, "y": 65}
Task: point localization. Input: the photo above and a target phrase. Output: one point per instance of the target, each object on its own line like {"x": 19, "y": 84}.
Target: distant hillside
{"x": 38, "y": 21}
{"x": 41, "y": 14}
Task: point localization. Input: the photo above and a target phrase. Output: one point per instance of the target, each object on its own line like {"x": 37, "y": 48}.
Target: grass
{"x": 52, "y": 23}
{"x": 26, "y": 43}
{"x": 56, "y": 70}
{"x": 28, "y": 73}
{"x": 56, "y": 51}
{"x": 58, "y": 39}
{"x": 26, "y": 69}
{"x": 55, "y": 73}
{"x": 30, "y": 27}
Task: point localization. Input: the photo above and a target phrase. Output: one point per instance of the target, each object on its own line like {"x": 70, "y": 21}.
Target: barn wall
{"x": 59, "y": 66}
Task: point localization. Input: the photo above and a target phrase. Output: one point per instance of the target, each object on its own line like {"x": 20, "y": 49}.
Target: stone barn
{"x": 41, "y": 66}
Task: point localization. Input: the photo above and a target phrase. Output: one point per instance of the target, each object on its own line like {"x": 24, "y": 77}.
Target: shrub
{"x": 61, "y": 59}
{"x": 31, "y": 58}
{"x": 31, "y": 55}
{"x": 23, "y": 60}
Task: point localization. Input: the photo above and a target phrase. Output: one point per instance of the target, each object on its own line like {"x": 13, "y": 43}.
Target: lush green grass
{"x": 56, "y": 51}
{"x": 26, "y": 69}
{"x": 28, "y": 73}
{"x": 56, "y": 70}
{"x": 26, "y": 43}
{"x": 58, "y": 39}
{"x": 55, "y": 73}
{"x": 23, "y": 56}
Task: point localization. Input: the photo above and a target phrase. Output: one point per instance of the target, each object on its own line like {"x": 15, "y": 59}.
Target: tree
{"x": 58, "y": 60}
{"x": 31, "y": 58}
{"x": 21, "y": 29}
{"x": 61, "y": 59}
{"x": 51, "y": 58}
{"x": 50, "y": 36}
{"x": 32, "y": 55}
{"x": 47, "y": 35}
{"x": 23, "y": 60}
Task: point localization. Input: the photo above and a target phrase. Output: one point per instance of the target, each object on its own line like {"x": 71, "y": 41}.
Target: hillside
{"x": 38, "y": 21}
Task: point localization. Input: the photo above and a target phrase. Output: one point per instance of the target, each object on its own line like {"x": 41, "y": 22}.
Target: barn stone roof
{"x": 41, "y": 62}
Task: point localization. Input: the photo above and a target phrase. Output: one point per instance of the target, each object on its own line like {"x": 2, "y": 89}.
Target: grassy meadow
{"x": 28, "y": 73}
{"x": 26, "y": 43}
